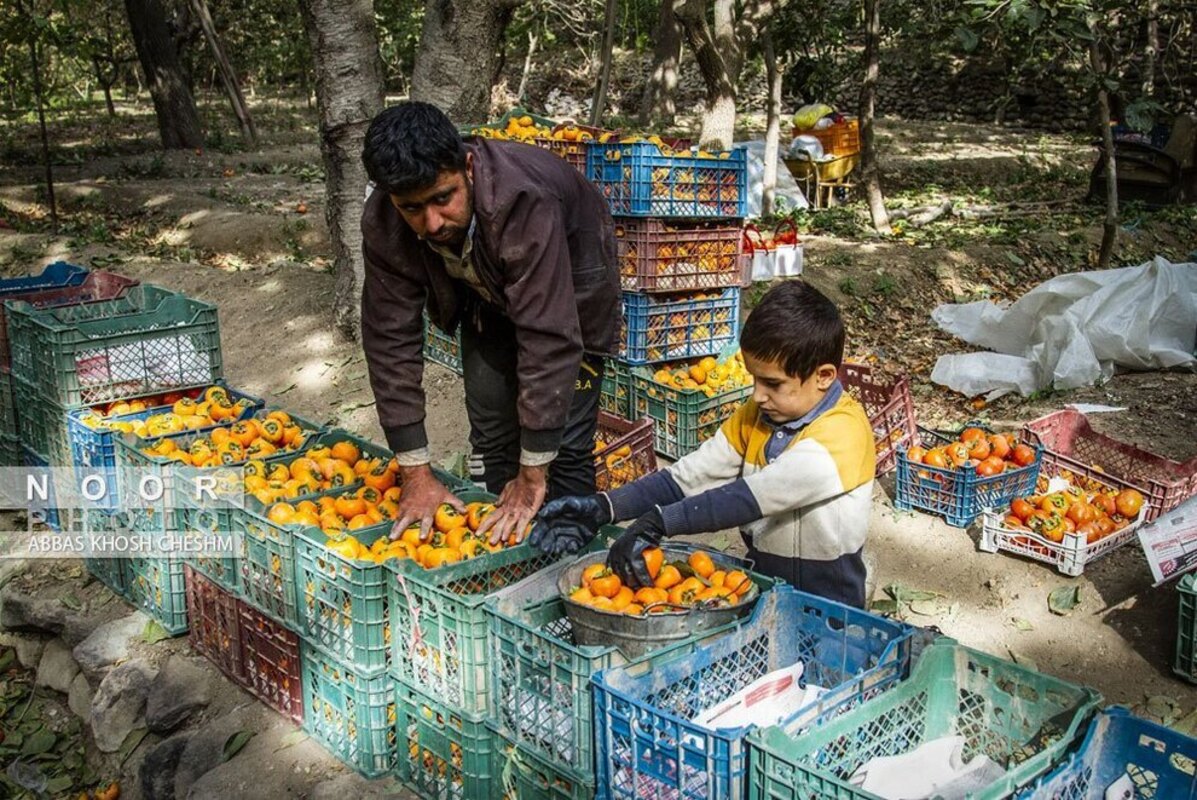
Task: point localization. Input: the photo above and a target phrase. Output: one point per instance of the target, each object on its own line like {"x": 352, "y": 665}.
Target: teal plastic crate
{"x": 1185, "y": 664}
{"x": 439, "y": 622}
{"x": 8, "y": 407}
{"x": 150, "y": 340}
{"x": 684, "y": 418}
{"x": 616, "y": 396}
{"x": 443, "y": 752}
{"x": 41, "y": 423}
{"x": 540, "y": 677}
{"x": 10, "y": 451}
{"x": 342, "y": 604}
{"x": 1024, "y": 720}
{"x": 111, "y": 572}
{"x": 441, "y": 348}
{"x": 156, "y": 585}
{"x": 354, "y": 717}
{"x": 522, "y": 775}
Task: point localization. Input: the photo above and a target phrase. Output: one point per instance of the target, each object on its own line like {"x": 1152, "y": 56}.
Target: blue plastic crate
{"x": 958, "y": 495}
{"x": 639, "y": 180}
{"x": 44, "y": 511}
{"x": 1159, "y": 762}
{"x": 662, "y": 328}
{"x": 93, "y": 450}
{"x": 441, "y": 348}
{"x": 649, "y": 747}
{"x": 54, "y": 276}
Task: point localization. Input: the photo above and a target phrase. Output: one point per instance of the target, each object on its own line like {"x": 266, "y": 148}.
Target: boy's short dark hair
{"x": 797, "y": 326}
{"x": 408, "y": 145}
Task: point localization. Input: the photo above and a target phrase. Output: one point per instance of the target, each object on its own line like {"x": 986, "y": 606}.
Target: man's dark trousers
{"x": 488, "y": 358}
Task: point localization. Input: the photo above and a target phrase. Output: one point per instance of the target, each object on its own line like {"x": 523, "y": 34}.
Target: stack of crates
{"x": 678, "y": 231}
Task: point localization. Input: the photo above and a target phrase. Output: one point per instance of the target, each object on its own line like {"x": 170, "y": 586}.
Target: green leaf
{"x": 1015, "y": 259}
{"x": 131, "y": 742}
{"x": 234, "y": 743}
{"x": 1063, "y": 600}
{"x": 291, "y": 739}
{"x": 6, "y": 658}
{"x": 1022, "y": 624}
{"x": 926, "y": 608}
{"x": 884, "y": 606}
{"x": 60, "y": 784}
{"x": 284, "y": 391}
{"x": 904, "y": 594}
{"x": 968, "y": 38}
{"x": 721, "y": 542}
{"x": 70, "y": 601}
{"x": 154, "y": 632}
{"x": 40, "y": 742}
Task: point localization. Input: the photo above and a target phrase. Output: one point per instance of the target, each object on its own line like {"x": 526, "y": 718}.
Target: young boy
{"x": 793, "y": 468}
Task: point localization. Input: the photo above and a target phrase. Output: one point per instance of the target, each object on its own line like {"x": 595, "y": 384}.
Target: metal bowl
{"x": 637, "y": 636}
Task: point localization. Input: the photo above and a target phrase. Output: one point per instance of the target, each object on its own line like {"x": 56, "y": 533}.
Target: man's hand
{"x": 422, "y": 494}
{"x": 519, "y": 502}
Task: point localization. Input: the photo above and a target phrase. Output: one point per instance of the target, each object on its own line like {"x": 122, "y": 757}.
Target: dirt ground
{"x": 226, "y": 227}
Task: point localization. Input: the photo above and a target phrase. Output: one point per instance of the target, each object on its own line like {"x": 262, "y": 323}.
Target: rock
{"x": 118, "y": 706}
{"x": 79, "y": 697}
{"x": 351, "y": 785}
{"x": 109, "y": 644}
{"x": 29, "y": 650}
{"x": 180, "y": 688}
{"x": 157, "y": 774}
{"x": 205, "y": 750}
{"x": 57, "y": 669}
{"x": 22, "y": 612}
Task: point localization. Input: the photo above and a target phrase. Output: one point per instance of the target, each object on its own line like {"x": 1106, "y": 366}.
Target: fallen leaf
{"x": 154, "y": 632}
{"x": 70, "y": 601}
{"x": 1064, "y": 599}
{"x": 1163, "y": 707}
{"x": 131, "y": 742}
{"x": 884, "y": 606}
{"x": 1022, "y": 624}
{"x": 926, "y": 608}
{"x": 234, "y": 743}
{"x": 1019, "y": 658}
{"x": 284, "y": 391}
{"x": 291, "y": 739}
{"x": 721, "y": 542}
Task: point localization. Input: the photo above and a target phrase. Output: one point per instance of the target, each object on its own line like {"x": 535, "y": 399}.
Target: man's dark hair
{"x": 408, "y": 145}
{"x": 797, "y": 326}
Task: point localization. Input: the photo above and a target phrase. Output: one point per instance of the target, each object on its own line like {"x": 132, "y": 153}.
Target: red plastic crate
{"x": 659, "y": 256}
{"x": 270, "y": 661}
{"x": 214, "y": 624}
{"x": 1070, "y": 444}
{"x": 97, "y": 286}
{"x": 628, "y": 452}
{"x": 890, "y": 407}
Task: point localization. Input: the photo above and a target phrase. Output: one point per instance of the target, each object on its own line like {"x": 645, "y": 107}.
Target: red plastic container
{"x": 890, "y": 407}
{"x": 97, "y": 286}
{"x": 214, "y": 625}
{"x": 664, "y": 256}
{"x": 628, "y": 452}
{"x": 1070, "y": 444}
{"x": 270, "y": 660}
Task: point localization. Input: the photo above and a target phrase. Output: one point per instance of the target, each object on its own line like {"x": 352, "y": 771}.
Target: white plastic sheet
{"x": 1074, "y": 330}
{"x": 786, "y": 195}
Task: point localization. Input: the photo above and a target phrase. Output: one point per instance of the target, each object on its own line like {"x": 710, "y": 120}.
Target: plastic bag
{"x": 773, "y": 256}
{"x": 806, "y": 117}
{"x": 1074, "y": 330}
{"x": 786, "y": 195}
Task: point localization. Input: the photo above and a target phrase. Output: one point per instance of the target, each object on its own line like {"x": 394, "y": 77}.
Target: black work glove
{"x": 626, "y": 558}
{"x": 568, "y": 524}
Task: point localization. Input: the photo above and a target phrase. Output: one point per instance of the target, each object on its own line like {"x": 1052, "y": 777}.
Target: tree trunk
{"x": 349, "y": 92}
{"x": 41, "y": 115}
{"x": 105, "y": 84}
{"x": 1153, "y": 47}
{"x": 1109, "y": 230}
{"x": 459, "y": 50}
{"x": 178, "y": 121}
{"x": 719, "y": 52}
{"x": 533, "y": 39}
{"x": 600, "y": 92}
{"x": 228, "y": 77}
{"x": 658, "y": 103}
{"x": 870, "y": 169}
{"x": 772, "y": 124}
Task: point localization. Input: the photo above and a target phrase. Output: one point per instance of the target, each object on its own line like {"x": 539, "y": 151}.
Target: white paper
{"x": 1170, "y": 542}
{"x": 1074, "y": 330}
{"x": 1121, "y": 789}
{"x": 1093, "y": 408}
{"x": 766, "y": 701}
{"x": 934, "y": 769}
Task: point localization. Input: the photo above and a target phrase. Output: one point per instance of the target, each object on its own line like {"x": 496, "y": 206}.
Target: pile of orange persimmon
{"x": 696, "y": 582}
{"x": 1094, "y": 515}
{"x": 988, "y": 453}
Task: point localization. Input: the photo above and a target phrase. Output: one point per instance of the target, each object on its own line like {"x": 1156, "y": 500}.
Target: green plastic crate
{"x": 10, "y": 451}
{"x": 150, "y": 340}
{"x": 8, "y": 408}
{"x": 616, "y": 395}
{"x": 522, "y": 775}
{"x": 1022, "y": 719}
{"x": 683, "y": 419}
{"x": 342, "y": 603}
{"x": 111, "y": 572}
{"x": 156, "y": 585}
{"x": 441, "y": 348}
{"x": 352, "y": 716}
{"x": 1185, "y": 664}
{"x": 41, "y": 423}
{"x": 439, "y": 624}
{"x": 443, "y": 752}
{"x": 219, "y": 566}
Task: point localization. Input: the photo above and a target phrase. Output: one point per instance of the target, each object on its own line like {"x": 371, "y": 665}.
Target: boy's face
{"x": 783, "y": 398}
{"x": 441, "y": 212}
